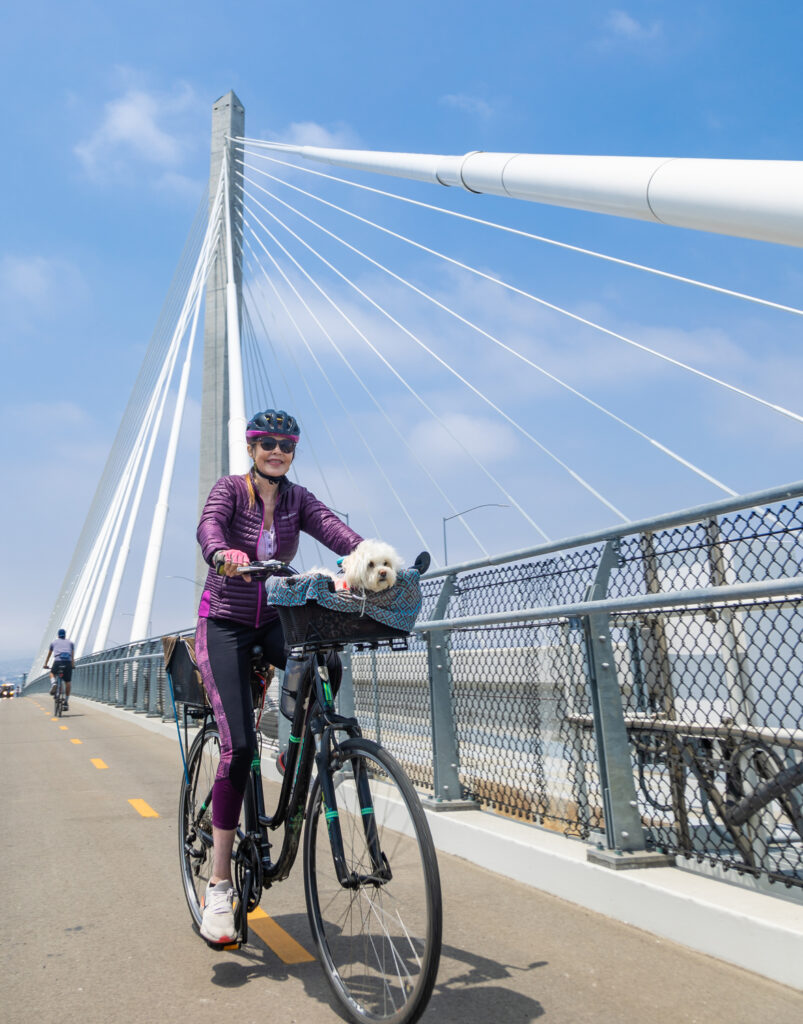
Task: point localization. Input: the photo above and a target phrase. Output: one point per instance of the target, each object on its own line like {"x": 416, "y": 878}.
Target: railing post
{"x": 623, "y": 828}
{"x": 448, "y": 795}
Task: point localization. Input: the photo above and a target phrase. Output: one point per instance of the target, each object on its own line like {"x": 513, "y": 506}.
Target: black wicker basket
{"x": 311, "y": 623}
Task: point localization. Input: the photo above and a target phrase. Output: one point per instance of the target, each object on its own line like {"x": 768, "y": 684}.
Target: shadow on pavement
{"x": 468, "y": 989}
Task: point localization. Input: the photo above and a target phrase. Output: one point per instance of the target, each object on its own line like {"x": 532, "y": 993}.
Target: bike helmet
{"x": 272, "y": 421}
{"x": 62, "y": 634}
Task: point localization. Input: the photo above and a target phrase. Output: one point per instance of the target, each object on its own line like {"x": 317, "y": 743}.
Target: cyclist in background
{"x": 256, "y": 516}
{"x": 63, "y": 651}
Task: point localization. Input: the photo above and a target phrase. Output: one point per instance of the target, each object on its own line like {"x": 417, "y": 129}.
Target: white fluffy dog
{"x": 371, "y": 566}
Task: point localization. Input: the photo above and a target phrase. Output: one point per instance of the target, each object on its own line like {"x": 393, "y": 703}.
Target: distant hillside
{"x": 12, "y": 668}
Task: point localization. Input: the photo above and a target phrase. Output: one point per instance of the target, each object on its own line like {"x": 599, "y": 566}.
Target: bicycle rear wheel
{"x": 195, "y": 819}
{"x": 379, "y": 938}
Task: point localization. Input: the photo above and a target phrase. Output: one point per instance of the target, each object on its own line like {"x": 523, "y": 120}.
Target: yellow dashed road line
{"x": 96, "y": 761}
{"x": 144, "y": 809}
{"x": 76, "y": 741}
{"x": 273, "y": 935}
{"x": 63, "y": 727}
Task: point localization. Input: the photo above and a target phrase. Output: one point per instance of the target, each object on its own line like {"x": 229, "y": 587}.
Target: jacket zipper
{"x": 259, "y": 538}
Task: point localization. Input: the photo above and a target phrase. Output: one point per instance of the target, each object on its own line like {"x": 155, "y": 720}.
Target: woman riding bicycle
{"x": 246, "y": 518}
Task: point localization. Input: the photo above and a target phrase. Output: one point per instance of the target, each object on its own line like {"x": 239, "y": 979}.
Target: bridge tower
{"x": 228, "y": 121}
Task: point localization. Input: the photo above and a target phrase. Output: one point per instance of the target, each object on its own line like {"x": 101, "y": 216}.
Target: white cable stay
{"x": 370, "y": 395}
{"x": 117, "y": 512}
{"x": 147, "y": 587}
{"x": 137, "y": 481}
{"x": 463, "y": 380}
{"x": 631, "y": 264}
{"x": 85, "y": 597}
{"x": 498, "y": 342}
{"x": 323, "y": 417}
{"x": 368, "y": 447}
{"x": 159, "y": 394}
{"x": 76, "y": 579}
{"x": 289, "y": 390}
{"x": 742, "y": 392}
{"x": 402, "y": 380}
{"x": 309, "y": 446}
{"x": 761, "y": 199}
{"x": 192, "y": 306}
{"x": 152, "y": 424}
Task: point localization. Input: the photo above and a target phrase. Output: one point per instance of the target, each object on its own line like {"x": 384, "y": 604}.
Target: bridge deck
{"x": 96, "y": 929}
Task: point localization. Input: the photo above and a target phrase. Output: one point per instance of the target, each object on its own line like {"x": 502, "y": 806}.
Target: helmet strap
{"x": 271, "y": 479}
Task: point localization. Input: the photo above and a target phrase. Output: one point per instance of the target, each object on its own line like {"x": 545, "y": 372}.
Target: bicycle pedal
{"x": 222, "y": 947}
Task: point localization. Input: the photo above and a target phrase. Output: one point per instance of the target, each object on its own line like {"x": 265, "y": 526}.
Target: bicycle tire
{"x": 379, "y": 943}
{"x": 765, "y": 792}
{"x": 195, "y": 822}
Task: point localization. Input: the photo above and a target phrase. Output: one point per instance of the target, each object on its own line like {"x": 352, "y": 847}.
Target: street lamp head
{"x": 457, "y": 515}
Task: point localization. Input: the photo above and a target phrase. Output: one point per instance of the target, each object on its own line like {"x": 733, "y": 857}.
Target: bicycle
{"x": 370, "y": 872}
{"x": 59, "y": 695}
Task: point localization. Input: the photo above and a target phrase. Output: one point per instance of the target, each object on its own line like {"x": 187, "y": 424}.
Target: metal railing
{"x": 637, "y": 688}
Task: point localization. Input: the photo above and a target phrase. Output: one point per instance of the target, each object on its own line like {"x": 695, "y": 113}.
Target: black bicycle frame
{"x": 312, "y": 740}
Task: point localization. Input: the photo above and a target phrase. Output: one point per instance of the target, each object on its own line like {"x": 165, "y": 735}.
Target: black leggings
{"x": 223, "y": 652}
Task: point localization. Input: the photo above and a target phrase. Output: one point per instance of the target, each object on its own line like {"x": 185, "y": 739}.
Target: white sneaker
{"x": 218, "y": 925}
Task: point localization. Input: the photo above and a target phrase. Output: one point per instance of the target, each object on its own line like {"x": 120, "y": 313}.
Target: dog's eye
{"x": 370, "y": 565}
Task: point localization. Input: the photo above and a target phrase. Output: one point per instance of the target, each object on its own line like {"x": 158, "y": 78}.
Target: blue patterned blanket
{"x": 397, "y": 607}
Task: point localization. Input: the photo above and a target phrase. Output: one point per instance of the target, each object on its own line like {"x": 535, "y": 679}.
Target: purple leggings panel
{"x": 223, "y": 653}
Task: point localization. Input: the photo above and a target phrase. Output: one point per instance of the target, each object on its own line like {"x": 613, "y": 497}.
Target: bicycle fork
{"x": 380, "y": 873}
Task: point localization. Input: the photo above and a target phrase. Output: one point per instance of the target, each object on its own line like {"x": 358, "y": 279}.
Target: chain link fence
{"x": 639, "y": 690}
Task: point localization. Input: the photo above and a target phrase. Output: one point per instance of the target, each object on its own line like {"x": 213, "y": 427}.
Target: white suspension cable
{"x": 405, "y": 384}
{"x": 138, "y": 477}
{"x": 117, "y": 509}
{"x": 527, "y": 234}
{"x": 540, "y": 301}
{"x": 192, "y": 305}
{"x": 342, "y": 405}
{"x": 497, "y": 341}
{"x": 288, "y": 388}
{"x": 375, "y": 402}
{"x": 463, "y": 380}
{"x": 153, "y": 553}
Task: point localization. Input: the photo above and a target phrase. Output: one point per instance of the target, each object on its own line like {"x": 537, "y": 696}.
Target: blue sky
{"x": 106, "y": 158}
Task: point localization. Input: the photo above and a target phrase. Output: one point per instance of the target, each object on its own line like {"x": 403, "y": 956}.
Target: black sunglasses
{"x": 267, "y": 444}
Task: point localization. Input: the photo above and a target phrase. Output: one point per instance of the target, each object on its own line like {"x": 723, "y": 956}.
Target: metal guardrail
{"x": 637, "y": 689}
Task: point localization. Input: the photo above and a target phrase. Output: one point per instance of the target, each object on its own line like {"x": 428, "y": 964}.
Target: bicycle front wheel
{"x": 379, "y": 935}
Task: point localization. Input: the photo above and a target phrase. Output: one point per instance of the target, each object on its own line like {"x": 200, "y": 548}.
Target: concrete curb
{"x": 757, "y": 932}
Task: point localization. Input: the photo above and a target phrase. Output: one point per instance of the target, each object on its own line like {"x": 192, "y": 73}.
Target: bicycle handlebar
{"x": 262, "y": 570}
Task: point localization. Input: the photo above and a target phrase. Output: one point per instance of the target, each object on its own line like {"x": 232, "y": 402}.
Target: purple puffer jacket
{"x": 228, "y": 522}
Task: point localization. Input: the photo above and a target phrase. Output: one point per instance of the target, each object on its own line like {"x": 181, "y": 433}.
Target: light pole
{"x": 345, "y": 515}
{"x": 487, "y": 504}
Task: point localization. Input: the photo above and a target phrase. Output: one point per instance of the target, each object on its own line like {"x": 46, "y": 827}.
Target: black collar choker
{"x": 271, "y": 479}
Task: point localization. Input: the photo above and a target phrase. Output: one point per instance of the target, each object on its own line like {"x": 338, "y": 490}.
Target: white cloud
{"x": 140, "y": 129}
{"x": 468, "y": 104}
{"x": 36, "y": 289}
{"x": 309, "y": 133}
{"x": 624, "y": 26}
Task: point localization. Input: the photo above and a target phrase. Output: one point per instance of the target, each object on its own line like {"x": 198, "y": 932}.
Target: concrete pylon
{"x": 228, "y": 121}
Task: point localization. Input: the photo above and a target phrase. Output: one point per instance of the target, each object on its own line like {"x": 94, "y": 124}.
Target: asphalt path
{"x": 95, "y": 928}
